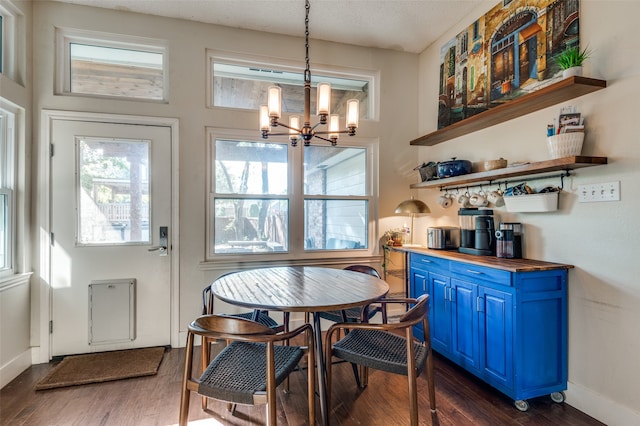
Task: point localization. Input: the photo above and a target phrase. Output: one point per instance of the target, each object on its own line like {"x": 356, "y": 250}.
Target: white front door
{"x": 110, "y": 202}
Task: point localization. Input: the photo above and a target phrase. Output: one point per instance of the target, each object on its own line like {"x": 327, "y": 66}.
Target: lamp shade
{"x": 412, "y": 206}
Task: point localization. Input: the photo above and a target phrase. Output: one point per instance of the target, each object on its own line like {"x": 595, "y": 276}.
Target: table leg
{"x": 322, "y": 378}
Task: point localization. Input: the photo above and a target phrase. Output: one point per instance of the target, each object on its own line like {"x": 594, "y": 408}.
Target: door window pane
{"x": 114, "y": 200}
{"x": 251, "y": 225}
{"x": 335, "y": 224}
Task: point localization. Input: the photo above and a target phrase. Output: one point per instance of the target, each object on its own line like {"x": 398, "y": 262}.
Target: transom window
{"x": 268, "y": 198}
{"x": 111, "y": 65}
{"x": 11, "y": 24}
{"x": 235, "y": 83}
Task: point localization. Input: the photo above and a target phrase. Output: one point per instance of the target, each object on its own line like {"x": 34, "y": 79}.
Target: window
{"x": 113, "y": 197}
{"x": 2, "y": 39}
{"x": 10, "y": 18}
{"x": 110, "y": 65}
{"x": 7, "y": 200}
{"x": 268, "y": 198}
{"x": 235, "y": 83}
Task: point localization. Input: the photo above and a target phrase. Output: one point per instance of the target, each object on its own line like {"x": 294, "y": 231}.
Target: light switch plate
{"x": 597, "y": 192}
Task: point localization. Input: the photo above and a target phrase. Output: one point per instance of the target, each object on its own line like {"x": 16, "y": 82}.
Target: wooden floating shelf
{"x": 555, "y": 93}
{"x": 549, "y": 166}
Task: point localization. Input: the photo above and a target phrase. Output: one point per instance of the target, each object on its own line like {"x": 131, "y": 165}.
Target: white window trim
{"x": 296, "y": 198}
{"x": 66, "y": 36}
{"x": 13, "y": 156}
{"x": 11, "y": 23}
{"x": 232, "y": 58}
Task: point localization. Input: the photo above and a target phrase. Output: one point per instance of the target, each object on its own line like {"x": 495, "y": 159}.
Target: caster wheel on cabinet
{"x": 521, "y": 405}
{"x": 558, "y": 397}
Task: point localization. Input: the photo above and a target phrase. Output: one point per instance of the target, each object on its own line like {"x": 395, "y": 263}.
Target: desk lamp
{"x": 412, "y": 207}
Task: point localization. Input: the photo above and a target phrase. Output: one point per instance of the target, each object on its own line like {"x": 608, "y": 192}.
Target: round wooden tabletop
{"x": 299, "y": 288}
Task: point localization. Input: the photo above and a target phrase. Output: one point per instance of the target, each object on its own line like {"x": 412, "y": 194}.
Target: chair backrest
{"x": 418, "y": 312}
{"x": 207, "y": 297}
{"x": 365, "y": 269}
{"x": 228, "y": 327}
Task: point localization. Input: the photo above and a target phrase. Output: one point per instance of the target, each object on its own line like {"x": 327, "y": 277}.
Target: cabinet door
{"x": 440, "y": 313}
{"x": 418, "y": 287}
{"x": 464, "y": 323}
{"x": 418, "y": 283}
{"x": 496, "y": 335}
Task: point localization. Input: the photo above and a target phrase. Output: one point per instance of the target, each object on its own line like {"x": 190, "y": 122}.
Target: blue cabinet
{"x": 505, "y": 323}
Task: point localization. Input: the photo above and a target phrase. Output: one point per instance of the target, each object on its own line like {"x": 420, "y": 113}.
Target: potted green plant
{"x": 571, "y": 59}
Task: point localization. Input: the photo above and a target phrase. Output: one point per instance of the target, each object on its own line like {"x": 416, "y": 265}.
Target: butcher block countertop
{"x": 511, "y": 265}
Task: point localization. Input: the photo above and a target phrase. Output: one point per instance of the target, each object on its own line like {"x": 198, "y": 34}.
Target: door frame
{"x": 42, "y": 354}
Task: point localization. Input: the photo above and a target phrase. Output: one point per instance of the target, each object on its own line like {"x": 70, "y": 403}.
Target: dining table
{"x": 310, "y": 289}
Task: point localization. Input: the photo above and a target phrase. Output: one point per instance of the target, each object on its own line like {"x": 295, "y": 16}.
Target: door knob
{"x": 163, "y": 241}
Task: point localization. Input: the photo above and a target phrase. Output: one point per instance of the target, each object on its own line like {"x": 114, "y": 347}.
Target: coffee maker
{"x": 509, "y": 240}
{"x": 477, "y": 231}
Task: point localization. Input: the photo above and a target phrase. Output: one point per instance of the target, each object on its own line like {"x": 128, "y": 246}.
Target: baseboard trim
{"x": 13, "y": 368}
{"x": 599, "y": 407}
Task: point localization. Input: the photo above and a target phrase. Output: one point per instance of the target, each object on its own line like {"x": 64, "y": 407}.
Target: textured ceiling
{"x": 404, "y": 25}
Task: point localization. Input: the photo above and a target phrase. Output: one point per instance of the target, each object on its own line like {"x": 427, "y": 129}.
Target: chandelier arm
{"x": 315, "y": 135}
{"x": 278, "y": 134}
{"x": 278, "y": 123}
{"x": 319, "y": 123}
{"x": 327, "y": 132}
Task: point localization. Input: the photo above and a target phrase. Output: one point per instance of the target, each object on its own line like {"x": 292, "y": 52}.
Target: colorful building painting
{"x": 504, "y": 54}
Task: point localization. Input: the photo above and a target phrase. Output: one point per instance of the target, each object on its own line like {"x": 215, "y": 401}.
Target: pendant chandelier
{"x": 270, "y": 114}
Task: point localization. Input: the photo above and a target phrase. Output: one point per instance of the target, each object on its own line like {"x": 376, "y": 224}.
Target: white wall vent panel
{"x": 112, "y": 311}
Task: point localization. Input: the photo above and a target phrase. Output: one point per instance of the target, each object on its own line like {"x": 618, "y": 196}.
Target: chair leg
{"x": 285, "y": 321}
{"x": 206, "y": 354}
{"x": 356, "y": 375}
{"x": 413, "y": 397}
{"x": 311, "y": 374}
{"x": 186, "y": 376}
{"x": 271, "y": 386}
{"x": 364, "y": 377}
{"x": 430, "y": 382}
{"x": 328, "y": 371}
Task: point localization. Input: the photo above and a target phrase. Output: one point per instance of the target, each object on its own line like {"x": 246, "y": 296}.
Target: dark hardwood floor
{"x": 154, "y": 400}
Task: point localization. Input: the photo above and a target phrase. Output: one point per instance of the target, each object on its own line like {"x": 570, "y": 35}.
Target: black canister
{"x": 509, "y": 240}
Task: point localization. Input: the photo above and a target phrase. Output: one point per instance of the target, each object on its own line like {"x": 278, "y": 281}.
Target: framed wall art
{"x": 504, "y": 54}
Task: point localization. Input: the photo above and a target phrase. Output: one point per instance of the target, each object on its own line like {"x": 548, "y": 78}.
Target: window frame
{"x": 9, "y": 51}
{"x": 67, "y": 36}
{"x": 230, "y": 58}
{"x": 296, "y": 198}
{"x": 8, "y": 179}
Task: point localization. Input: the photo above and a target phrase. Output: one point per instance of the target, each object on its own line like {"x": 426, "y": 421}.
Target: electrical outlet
{"x": 597, "y": 192}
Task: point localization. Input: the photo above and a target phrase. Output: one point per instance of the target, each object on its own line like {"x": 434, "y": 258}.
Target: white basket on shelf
{"x": 565, "y": 144}
{"x": 542, "y": 202}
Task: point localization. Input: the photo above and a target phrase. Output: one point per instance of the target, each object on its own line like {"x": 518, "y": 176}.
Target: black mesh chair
{"x": 381, "y": 347}
{"x": 249, "y": 368}
{"x": 357, "y": 314}
{"x": 260, "y": 316}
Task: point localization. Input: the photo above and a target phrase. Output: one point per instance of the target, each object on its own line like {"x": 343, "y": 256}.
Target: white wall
{"x": 15, "y": 353}
{"x": 188, "y": 42}
{"x": 600, "y": 239}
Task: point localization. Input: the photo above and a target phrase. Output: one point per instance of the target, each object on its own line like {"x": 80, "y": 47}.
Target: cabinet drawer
{"x": 474, "y": 272}
{"x": 428, "y": 263}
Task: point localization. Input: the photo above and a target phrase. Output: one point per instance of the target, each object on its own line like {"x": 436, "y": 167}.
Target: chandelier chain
{"x": 270, "y": 113}
{"x": 307, "y": 71}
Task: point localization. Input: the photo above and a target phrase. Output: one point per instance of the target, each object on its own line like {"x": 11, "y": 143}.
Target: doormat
{"x": 103, "y": 367}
